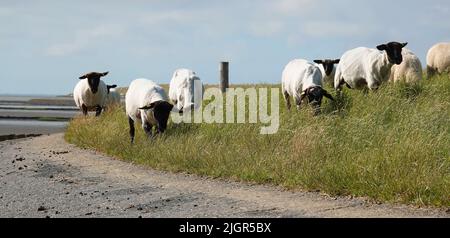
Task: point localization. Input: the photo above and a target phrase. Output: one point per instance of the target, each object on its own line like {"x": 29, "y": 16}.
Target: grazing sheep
{"x": 147, "y": 102}
{"x": 186, "y": 90}
{"x": 410, "y": 70}
{"x": 91, "y": 93}
{"x": 364, "y": 67}
{"x": 438, "y": 59}
{"x": 301, "y": 80}
{"x": 113, "y": 95}
{"x": 328, "y": 69}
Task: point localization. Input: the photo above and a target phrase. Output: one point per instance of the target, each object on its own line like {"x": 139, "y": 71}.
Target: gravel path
{"x": 45, "y": 176}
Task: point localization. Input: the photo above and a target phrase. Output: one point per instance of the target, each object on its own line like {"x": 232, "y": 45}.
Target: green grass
{"x": 391, "y": 146}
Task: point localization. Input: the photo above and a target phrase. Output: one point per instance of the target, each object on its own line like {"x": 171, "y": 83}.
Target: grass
{"x": 391, "y": 146}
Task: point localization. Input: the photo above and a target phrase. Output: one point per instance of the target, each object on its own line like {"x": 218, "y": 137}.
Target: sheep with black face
{"x": 90, "y": 94}
{"x": 303, "y": 80}
{"x": 368, "y": 68}
{"x": 328, "y": 69}
{"x": 147, "y": 102}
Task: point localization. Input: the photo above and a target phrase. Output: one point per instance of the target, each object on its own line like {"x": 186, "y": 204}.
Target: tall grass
{"x": 391, "y": 145}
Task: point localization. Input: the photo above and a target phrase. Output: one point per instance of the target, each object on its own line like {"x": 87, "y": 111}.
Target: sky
{"x": 45, "y": 45}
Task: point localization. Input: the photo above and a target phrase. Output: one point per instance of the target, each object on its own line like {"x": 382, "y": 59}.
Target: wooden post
{"x": 224, "y": 83}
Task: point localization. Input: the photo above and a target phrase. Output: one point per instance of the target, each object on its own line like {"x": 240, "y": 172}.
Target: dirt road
{"x": 45, "y": 176}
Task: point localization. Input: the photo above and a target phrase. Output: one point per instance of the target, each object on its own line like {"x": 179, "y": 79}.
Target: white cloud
{"x": 267, "y": 28}
{"x": 333, "y": 29}
{"x": 293, "y": 6}
{"x": 84, "y": 39}
{"x": 174, "y": 16}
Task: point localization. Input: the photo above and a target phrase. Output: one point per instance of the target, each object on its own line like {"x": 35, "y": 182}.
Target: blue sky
{"x": 46, "y": 45}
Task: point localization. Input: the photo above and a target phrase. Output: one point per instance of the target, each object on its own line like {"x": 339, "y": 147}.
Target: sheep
{"x": 91, "y": 93}
{"x": 438, "y": 59}
{"x": 410, "y": 70}
{"x": 147, "y": 102}
{"x": 328, "y": 69}
{"x": 186, "y": 90}
{"x": 364, "y": 67}
{"x": 302, "y": 79}
{"x": 113, "y": 95}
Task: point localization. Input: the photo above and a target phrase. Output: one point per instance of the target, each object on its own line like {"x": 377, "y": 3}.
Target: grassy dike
{"x": 392, "y": 145}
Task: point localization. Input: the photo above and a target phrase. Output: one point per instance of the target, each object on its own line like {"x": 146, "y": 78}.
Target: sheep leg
{"x": 98, "y": 111}
{"x": 341, "y": 82}
{"x": 288, "y": 100}
{"x": 148, "y": 128}
{"x": 131, "y": 123}
{"x": 430, "y": 71}
{"x": 298, "y": 102}
{"x": 84, "y": 109}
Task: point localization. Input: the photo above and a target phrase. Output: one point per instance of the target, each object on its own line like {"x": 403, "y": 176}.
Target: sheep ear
{"x": 382, "y": 47}
{"x": 327, "y": 95}
{"x": 404, "y": 44}
{"x": 303, "y": 95}
{"x": 151, "y": 106}
{"x": 318, "y": 61}
{"x": 83, "y": 77}
{"x": 336, "y": 61}
{"x": 104, "y": 74}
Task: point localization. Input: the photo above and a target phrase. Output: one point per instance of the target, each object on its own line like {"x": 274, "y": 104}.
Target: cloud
{"x": 267, "y": 28}
{"x": 173, "y": 16}
{"x": 84, "y": 39}
{"x": 293, "y": 7}
{"x": 334, "y": 29}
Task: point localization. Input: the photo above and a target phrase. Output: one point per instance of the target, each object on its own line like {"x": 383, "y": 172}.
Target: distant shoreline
{"x": 34, "y": 115}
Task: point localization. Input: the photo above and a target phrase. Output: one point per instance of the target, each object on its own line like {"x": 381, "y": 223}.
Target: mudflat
{"x": 47, "y": 177}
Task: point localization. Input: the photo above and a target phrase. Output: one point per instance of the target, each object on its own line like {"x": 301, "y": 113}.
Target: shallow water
{"x": 19, "y": 127}
{"x": 18, "y": 116}
{"x": 37, "y": 113}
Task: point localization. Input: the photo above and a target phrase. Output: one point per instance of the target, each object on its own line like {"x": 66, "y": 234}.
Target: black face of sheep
{"x": 394, "y": 51}
{"x": 94, "y": 80}
{"x": 328, "y": 65}
{"x": 315, "y": 96}
{"x": 161, "y": 113}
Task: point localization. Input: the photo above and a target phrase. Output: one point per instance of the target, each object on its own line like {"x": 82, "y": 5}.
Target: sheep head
{"x": 94, "y": 80}
{"x": 161, "y": 111}
{"x": 394, "y": 51}
{"x": 315, "y": 96}
{"x": 328, "y": 65}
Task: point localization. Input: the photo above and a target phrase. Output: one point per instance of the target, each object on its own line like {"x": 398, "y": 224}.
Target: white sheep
{"x": 186, "y": 90}
{"x": 438, "y": 59}
{"x": 113, "y": 95}
{"x": 328, "y": 69}
{"x": 364, "y": 67}
{"x": 147, "y": 102}
{"x": 410, "y": 70}
{"x": 302, "y": 79}
{"x": 90, "y": 93}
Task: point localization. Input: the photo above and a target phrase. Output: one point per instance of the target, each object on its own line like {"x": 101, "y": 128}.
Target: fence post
{"x": 224, "y": 83}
